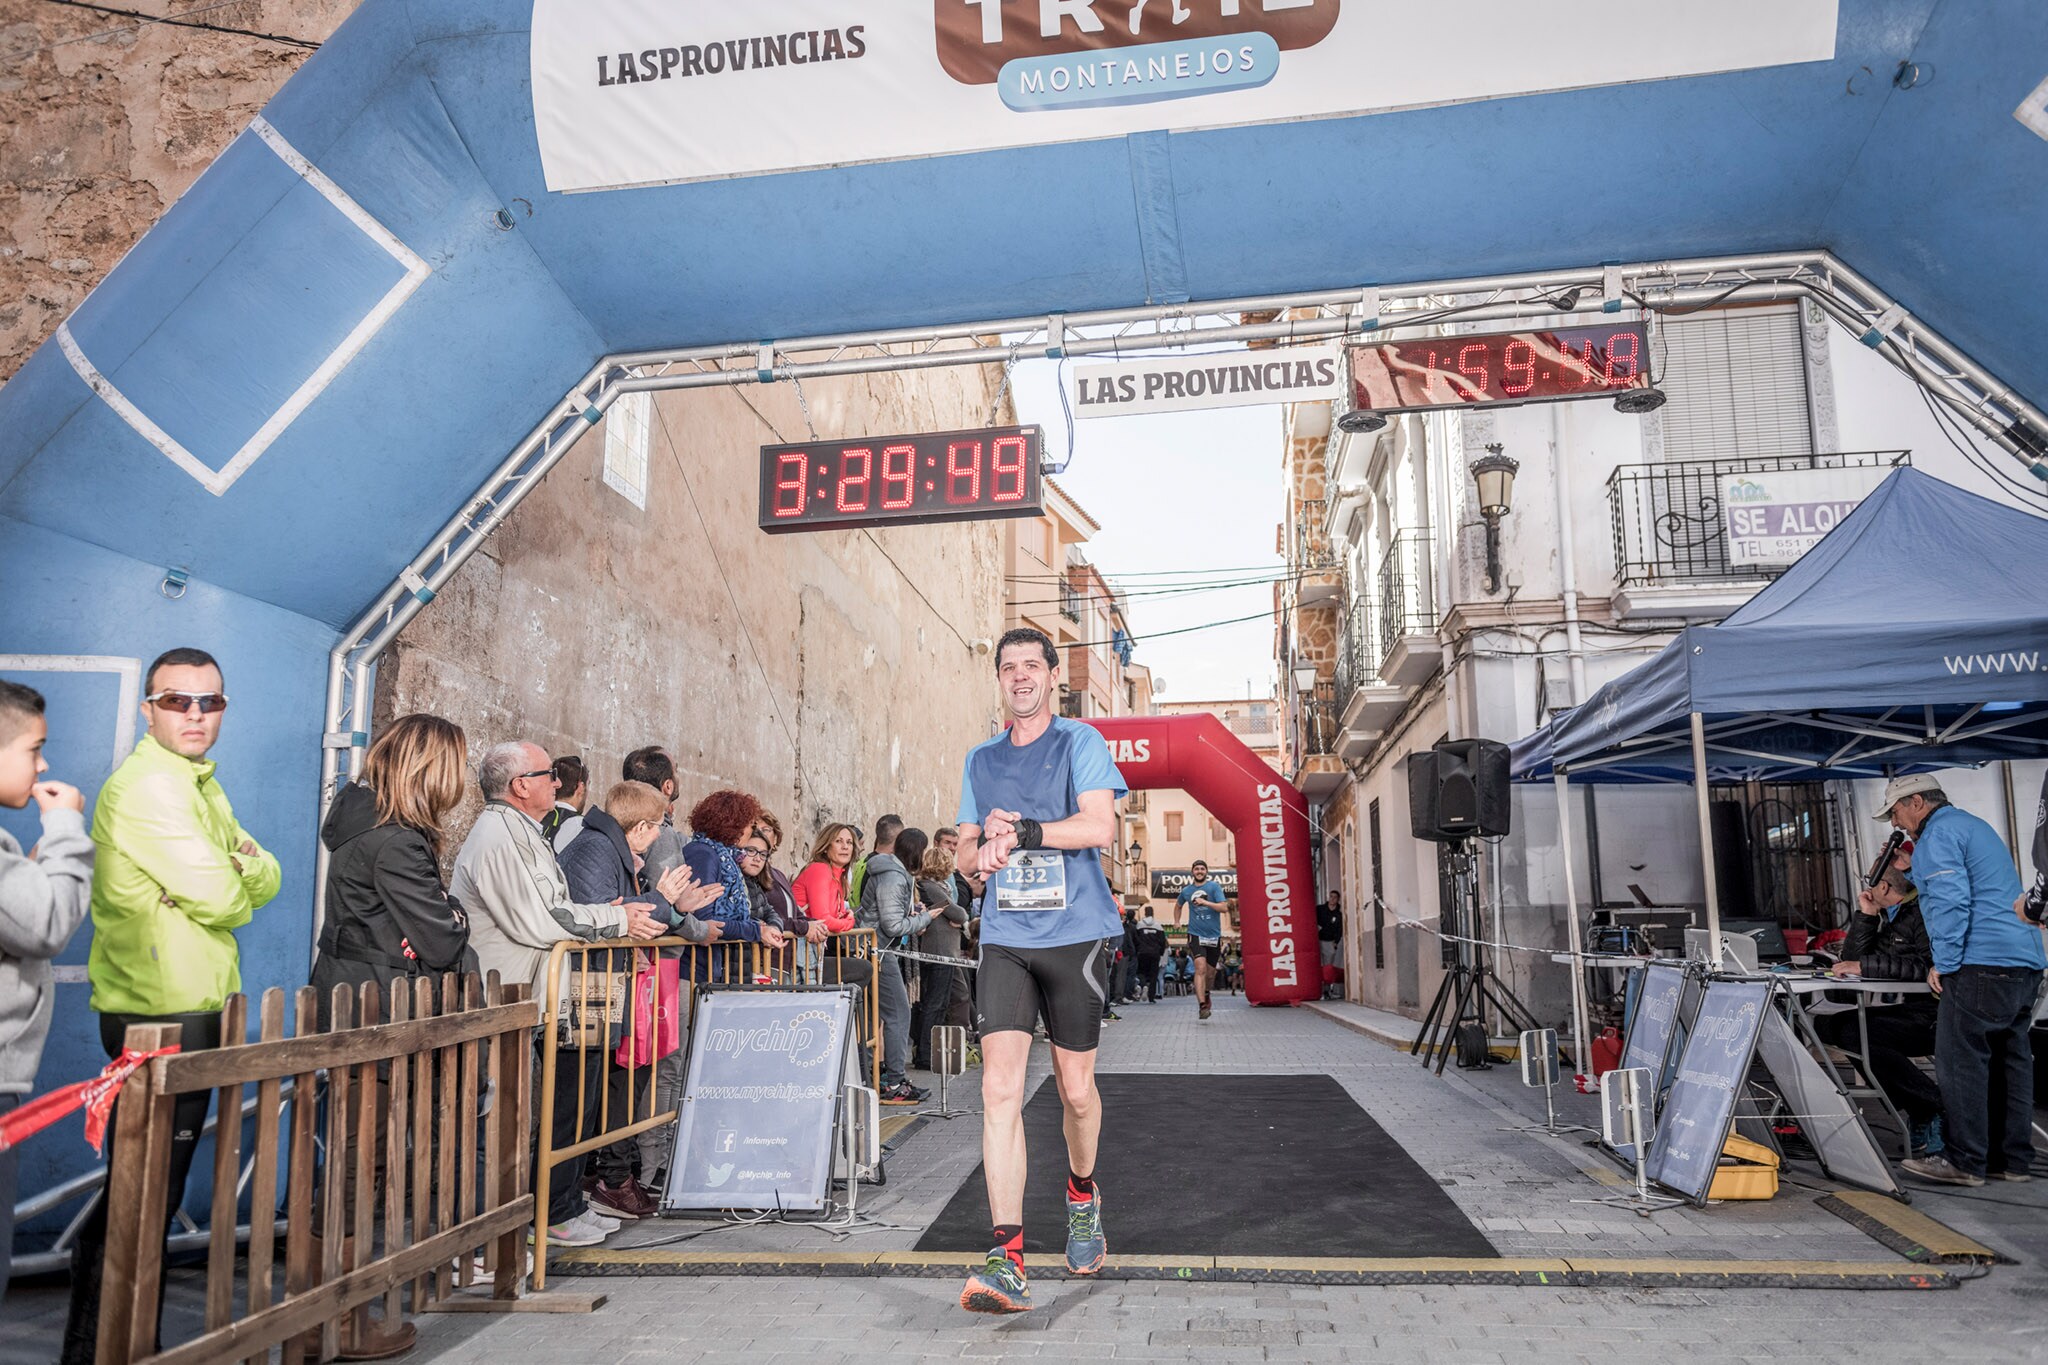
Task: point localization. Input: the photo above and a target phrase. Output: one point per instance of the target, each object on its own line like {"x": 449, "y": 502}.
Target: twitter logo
{"x": 718, "y": 1175}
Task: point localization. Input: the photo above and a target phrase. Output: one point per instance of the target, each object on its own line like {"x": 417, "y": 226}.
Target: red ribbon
{"x": 95, "y": 1096}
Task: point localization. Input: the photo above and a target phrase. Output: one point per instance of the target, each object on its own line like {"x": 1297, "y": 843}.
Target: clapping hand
{"x": 674, "y": 882}
{"x": 641, "y": 924}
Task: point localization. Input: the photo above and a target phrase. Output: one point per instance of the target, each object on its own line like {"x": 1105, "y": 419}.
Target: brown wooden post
{"x": 444, "y": 1166}
{"x": 421, "y": 1161}
{"x": 333, "y": 1203}
{"x": 263, "y": 1170}
{"x": 227, "y": 1172}
{"x": 136, "y": 1194}
{"x": 509, "y": 1123}
{"x": 471, "y": 1091}
{"x": 395, "y": 1139}
{"x": 363, "y": 1222}
{"x": 301, "y": 1258}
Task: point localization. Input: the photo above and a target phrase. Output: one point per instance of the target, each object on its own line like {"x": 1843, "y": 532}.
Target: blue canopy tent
{"x": 1913, "y": 636}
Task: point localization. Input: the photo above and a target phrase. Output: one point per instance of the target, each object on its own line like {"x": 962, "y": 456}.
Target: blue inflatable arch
{"x": 305, "y": 372}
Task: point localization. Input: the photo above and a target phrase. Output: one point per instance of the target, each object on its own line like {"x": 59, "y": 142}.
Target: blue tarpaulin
{"x": 1914, "y": 635}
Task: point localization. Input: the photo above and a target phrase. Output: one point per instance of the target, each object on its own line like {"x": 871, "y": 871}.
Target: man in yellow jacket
{"x": 175, "y": 876}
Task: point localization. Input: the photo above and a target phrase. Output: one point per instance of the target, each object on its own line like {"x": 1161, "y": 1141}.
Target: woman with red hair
{"x": 717, "y": 824}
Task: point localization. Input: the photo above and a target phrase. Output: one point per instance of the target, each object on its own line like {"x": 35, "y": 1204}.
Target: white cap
{"x": 1900, "y": 788}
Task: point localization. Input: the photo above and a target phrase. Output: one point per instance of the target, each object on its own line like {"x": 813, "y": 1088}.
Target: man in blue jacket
{"x": 1987, "y": 972}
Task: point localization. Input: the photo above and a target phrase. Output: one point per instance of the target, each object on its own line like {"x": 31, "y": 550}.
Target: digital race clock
{"x": 1502, "y": 367}
{"x": 886, "y": 480}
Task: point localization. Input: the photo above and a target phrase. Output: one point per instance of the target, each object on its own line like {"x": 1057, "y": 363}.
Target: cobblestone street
{"x": 1518, "y": 1187}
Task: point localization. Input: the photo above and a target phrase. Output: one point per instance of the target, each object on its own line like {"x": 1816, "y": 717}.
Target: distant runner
{"x": 1201, "y": 907}
{"x": 1037, "y": 807}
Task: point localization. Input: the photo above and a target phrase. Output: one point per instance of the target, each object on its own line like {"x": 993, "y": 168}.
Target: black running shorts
{"x": 1067, "y": 985}
{"x": 1211, "y": 953}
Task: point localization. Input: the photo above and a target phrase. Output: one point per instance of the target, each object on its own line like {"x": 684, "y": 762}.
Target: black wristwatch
{"x": 1030, "y": 834}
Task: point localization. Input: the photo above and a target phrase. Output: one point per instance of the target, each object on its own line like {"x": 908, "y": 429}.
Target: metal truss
{"x": 1364, "y": 313}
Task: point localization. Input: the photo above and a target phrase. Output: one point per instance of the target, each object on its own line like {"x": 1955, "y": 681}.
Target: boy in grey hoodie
{"x": 42, "y": 900}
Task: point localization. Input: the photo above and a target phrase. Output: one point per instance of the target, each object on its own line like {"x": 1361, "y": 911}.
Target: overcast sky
{"x": 1197, "y": 491}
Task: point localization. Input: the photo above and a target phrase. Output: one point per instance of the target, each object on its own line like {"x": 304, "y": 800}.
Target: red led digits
{"x": 1006, "y": 462}
{"x": 1624, "y": 359}
{"x": 963, "y": 472}
{"x": 899, "y": 471}
{"x": 1513, "y": 384}
{"x": 788, "y": 498}
{"x": 1477, "y": 373}
{"x": 848, "y": 480}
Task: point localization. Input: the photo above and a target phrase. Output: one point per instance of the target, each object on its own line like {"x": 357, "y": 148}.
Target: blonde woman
{"x": 389, "y": 915}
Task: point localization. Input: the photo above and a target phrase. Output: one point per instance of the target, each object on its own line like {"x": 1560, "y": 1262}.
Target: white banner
{"x": 644, "y": 92}
{"x": 1182, "y": 383}
{"x": 1772, "y": 519}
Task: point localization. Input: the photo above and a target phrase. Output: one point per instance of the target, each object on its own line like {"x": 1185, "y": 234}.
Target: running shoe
{"x": 998, "y": 1287}
{"x": 1927, "y": 1139}
{"x": 1203, "y": 1016}
{"x": 573, "y": 1233}
{"x": 1086, "y": 1246}
{"x": 1939, "y": 1170}
{"x": 603, "y": 1222}
{"x": 2009, "y": 1175}
{"x": 899, "y": 1094}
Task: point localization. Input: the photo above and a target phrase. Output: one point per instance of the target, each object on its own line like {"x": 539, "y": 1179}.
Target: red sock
{"x": 1010, "y": 1237}
{"x": 1080, "y": 1188}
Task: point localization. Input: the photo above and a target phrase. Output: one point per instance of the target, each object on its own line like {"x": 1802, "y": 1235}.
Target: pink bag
{"x": 657, "y": 1014}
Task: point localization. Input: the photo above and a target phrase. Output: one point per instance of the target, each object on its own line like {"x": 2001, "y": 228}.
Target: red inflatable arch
{"x": 1269, "y": 817}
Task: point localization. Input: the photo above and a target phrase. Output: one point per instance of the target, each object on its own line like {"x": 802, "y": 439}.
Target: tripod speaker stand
{"x": 1469, "y": 986}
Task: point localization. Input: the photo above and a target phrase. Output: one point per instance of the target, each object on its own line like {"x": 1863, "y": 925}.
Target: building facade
{"x": 1391, "y": 637}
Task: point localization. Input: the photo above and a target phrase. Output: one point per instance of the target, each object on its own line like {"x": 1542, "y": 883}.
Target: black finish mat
{"x": 1226, "y": 1166}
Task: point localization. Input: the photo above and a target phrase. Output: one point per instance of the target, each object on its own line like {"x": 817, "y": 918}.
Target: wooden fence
{"x": 427, "y": 1104}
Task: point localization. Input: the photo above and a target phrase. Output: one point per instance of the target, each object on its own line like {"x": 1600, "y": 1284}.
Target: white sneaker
{"x": 573, "y": 1233}
{"x": 593, "y": 1219}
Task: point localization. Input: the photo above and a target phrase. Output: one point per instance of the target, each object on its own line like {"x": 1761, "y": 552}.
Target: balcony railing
{"x": 1358, "y": 659}
{"x": 1311, "y": 549}
{"x": 1407, "y": 606}
{"x": 1070, "y": 602}
{"x": 1315, "y": 723}
{"x": 1668, "y": 526}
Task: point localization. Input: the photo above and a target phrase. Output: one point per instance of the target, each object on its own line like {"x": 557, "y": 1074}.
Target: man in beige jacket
{"x": 519, "y": 907}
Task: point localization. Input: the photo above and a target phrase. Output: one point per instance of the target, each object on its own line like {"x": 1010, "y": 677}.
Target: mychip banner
{"x": 647, "y": 92}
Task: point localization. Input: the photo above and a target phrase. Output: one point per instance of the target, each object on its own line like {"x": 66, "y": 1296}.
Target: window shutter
{"x": 1736, "y": 380}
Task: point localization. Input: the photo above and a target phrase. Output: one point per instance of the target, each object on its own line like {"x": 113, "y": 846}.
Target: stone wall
{"x": 831, "y": 673}
{"x": 104, "y": 122}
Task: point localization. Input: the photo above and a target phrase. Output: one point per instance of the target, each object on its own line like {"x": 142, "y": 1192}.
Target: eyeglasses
{"x": 548, "y": 773}
{"x": 207, "y": 702}
{"x": 753, "y": 852}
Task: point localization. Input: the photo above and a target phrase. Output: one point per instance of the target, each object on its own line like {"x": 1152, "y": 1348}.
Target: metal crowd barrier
{"x": 589, "y": 1021}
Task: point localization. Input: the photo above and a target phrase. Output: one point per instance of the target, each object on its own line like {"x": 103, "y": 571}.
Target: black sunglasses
{"x": 548, "y": 773}
{"x": 207, "y": 702}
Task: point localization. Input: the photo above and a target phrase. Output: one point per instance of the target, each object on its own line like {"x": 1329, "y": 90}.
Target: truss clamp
{"x": 1887, "y": 322}
{"x": 1055, "y": 336}
{"x": 416, "y": 585}
{"x": 344, "y": 739}
{"x": 764, "y": 363}
{"x": 1610, "y": 289}
{"x": 1369, "y": 308}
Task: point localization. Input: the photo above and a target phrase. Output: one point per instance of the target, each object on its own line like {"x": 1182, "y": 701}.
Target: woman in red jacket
{"x": 820, "y": 888}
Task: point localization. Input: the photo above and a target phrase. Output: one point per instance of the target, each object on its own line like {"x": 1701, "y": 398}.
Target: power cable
{"x": 181, "y": 20}
{"x": 1154, "y": 573}
{"x": 739, "y": 614}
{"x": 1162, "y": 634}
{"x": 1113, "y": 598}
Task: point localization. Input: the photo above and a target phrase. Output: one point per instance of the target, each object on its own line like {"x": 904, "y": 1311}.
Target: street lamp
{"x": 1494, "y": 473}
{"x": 1137, "y": 851}
{"x": 1304, "y": 677}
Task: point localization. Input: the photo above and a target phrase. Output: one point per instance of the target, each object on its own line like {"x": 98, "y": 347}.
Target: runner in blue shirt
{"x": 1202, "y": 909}
{"x": 1037, "y": 807}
